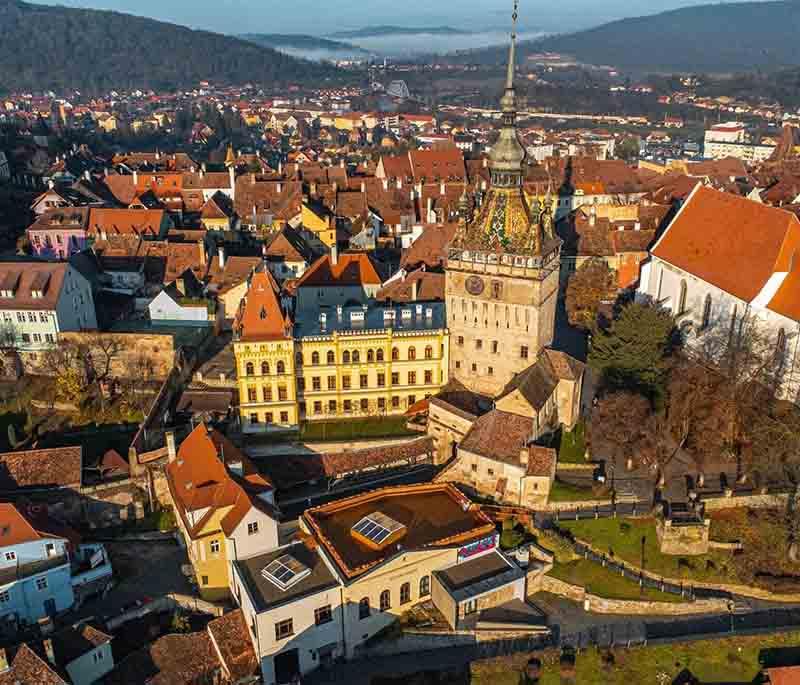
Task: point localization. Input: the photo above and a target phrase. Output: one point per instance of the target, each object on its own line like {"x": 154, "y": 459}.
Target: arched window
{"x": 405, "y": 593}
{"x": 281, "y": 367}
{"x": 356, "y": 357}
{"x": 682, "y": 299}
{"x": 331, "y": 357}
{"x": 363, "y": 608}
{"x": 249, "y": 369}
{"x": 412, "y": 353}
{"x": 395, "y": 354}
{"x": 428, "y": 352}
{"x": 346, "y": 357}
{"x": 265, "y": 368}
{"x": 370, "y": 356}
{"x": 424, "y": 586}
{"x": 386, "y": 602}
{"x": 379, "y": 355}
{"x": 706, "y": 313}
{"x": 315, "y": 358}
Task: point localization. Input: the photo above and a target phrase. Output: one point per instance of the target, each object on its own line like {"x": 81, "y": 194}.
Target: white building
{"x": 724, "y": 258}
{"x": 40, "y": 300}
{"x": 732, "y": 140}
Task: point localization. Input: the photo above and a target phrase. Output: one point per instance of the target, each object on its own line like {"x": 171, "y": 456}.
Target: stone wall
{"x": 769, "y": 501}
{"x": 602, "y": 605}
{"x": 683, "y": 540}
{"x": 491, "y": 600}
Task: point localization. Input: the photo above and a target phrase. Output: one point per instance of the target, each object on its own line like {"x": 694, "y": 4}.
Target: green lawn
{"x": 622, "y": 538}
{"x": 602, "y": 582}
{"x": 572, "y": 449}
{"x": 355, "y": 429}
{"x": 733, "y": 660}
{"x": 566, "y": 492}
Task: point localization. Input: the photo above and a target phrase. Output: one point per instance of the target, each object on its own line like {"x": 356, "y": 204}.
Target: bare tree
{"x": 588, "y": 288}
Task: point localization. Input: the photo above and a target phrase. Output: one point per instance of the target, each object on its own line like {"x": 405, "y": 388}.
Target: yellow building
{"x": 337, "y": 362}
{"x": 320, "y": 221}
{"x": 224, "y": 508}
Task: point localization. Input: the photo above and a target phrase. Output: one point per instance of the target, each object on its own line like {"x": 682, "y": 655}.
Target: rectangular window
{"x": 317, "y": 407}
{"x": 428, "y": 377}
{"x": 461, "y": 341}
{"x": 479, "y": 344}
{"x": 203, "y": 580}
{"x": 316, "y": 383}
{"x": 348, "y": 406}
{"x": 381, "y": 404}
{"x": 412, "y": 377}
{"x": 331, "y": 382}
{"x": 214, "y": 546}
{"x": 523, "y": 352}
{"x": 282, "y": 393}
{"x": 381, "y": 380}
{"x": 266, "y": 393}
{"x": 11, "y": 556}
{"x": 395, "y": 402}
{"x": 363, "y": 380}
{"x": 395, "y": 378}
{"x": 251, "y": 395}
{"x": 323, "y": 615}
{"x": 470, "y": 607}
{"x": 5, "y": 597}
{"x": 495, "y": 347}
{"x": 270, "y": 417}
{"x": 332, "y": 406}
{"x": 490, "y": 371}
{"x": 346, "y": 382}
{"x": 253, "y": 418}
{"x": 41, "y": 584}
{"x": 284, "y": 629}
{"x": 284, "y": 417}
{"x": 364, "y": 403}
{"x": 412, "y": 400}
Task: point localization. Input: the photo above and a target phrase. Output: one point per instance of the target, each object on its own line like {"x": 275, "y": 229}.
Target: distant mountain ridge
{"x": 373, "y": 31}
{"x": 720, "y": 38}
{"x": 300, "y": 41}
{"x": 44, "y": 47}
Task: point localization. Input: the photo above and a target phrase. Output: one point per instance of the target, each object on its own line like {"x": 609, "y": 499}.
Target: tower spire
{"x": 512, "y": 51}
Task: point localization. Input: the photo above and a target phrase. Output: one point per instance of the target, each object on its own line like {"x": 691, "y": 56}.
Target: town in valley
{"x": 441, "y": 368}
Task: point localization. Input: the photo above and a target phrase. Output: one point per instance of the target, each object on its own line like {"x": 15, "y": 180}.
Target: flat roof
{"x": 477, "y": 576}
{"x": 354, "y": 319}
{"x": 266, "y": 594}
{"x": 435, "y": 516}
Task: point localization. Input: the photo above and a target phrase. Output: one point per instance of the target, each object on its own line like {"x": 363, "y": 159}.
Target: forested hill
{"x": 44, "y": 47}
{"x": 719, "y": 38}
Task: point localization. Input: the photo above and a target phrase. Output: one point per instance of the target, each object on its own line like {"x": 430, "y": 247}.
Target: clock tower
{"x": 502, "y": 268}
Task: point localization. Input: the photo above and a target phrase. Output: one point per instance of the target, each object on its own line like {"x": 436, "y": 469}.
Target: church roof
{"x": 261, "y": 316}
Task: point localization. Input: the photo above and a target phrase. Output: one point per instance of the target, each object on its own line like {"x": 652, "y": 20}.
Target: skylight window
{"x": 285, "y": 571}
{"x": 378, "y": 529}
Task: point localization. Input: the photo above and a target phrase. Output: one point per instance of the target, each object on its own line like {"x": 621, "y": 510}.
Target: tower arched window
{"x": 281, "y": 367}
{"x": 405, "y": 593}
{"x": 265, "y": 368}
{"x": 315, "y": 358}
{"x": 331, "y": 357}
{"x": 379, "y": 355}
{"x": 356, "y": 357}
{"x": 428, "y": 352}
{"x": 249, "y": 369}
{"x": 682, "y": 299}
{"x": 346, "y": 357}
{"x": 412, "y": 353}
{"x": 363, "y": 608}
{"x": 370, "y": 356}
{"x": 386, "y": 602}
{"x": 424, "y": 586}
{"x": 706, "y": 313}
{"x": 395, "y": 354}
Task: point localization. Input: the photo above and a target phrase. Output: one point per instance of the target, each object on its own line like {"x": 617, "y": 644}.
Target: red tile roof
{"x": 730, "y": 242}
{"x": 27, "y": 668}
{"x": 232, "y": 639}
{"x": 48, "y": 468}
{"x": 261, "y": 316}
{"x": 350, "y": 269}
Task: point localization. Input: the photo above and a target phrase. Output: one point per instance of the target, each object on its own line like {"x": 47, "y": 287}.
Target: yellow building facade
{"x": 342, "y": 374}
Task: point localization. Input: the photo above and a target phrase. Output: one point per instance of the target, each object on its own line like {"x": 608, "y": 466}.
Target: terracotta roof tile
{"x": 27, "y": 668}
{"x": 232, "y": 638}
{"x": 48, "y": 468}
{"x": 350, "y": 269}
{"x": 261, "y": 316}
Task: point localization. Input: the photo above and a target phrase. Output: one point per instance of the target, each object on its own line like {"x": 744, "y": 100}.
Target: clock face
{"x": 474, "y": 285}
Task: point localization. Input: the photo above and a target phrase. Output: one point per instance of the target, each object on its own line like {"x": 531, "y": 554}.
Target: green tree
{"x": 633, "y": 354}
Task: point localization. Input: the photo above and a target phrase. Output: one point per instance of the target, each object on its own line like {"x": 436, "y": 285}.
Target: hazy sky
{"x": 308, "y": 16}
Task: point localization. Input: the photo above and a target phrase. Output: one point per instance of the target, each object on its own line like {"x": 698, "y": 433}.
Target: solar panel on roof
{"x": 377, "y": 527}
{"x": 285, "y": 571}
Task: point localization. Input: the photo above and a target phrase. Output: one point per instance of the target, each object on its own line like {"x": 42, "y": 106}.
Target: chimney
{"x": 202, "y": 247}
{"x": 252, "y": 179}
{"x": 430, "y": 210}
{"x": 3, "y": 660}
{"x": 485, "y": 162}
{"x": 334, "y": 254}
{"x": 399, "y": 184}
{"x": 363, "y": 187}
{"x": 637, "y": 226}
{"x": 483, "y": 185}
{"x": 48, "y": 650}
{"x": 171, "y": 452}
{"x": 414, "y": 289}
{"x": 524, "y": 456}
{"x": 341, "y": 163}
{"x": 593, "y": 216}
{"x": 279, "y": 188}
{"x": 386, "y": 184}
{"x": 221, "y": 256}
{"x": 135, "y": 177}
{"x": 441, "y": 188}
{"x": 232, "y": 177}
